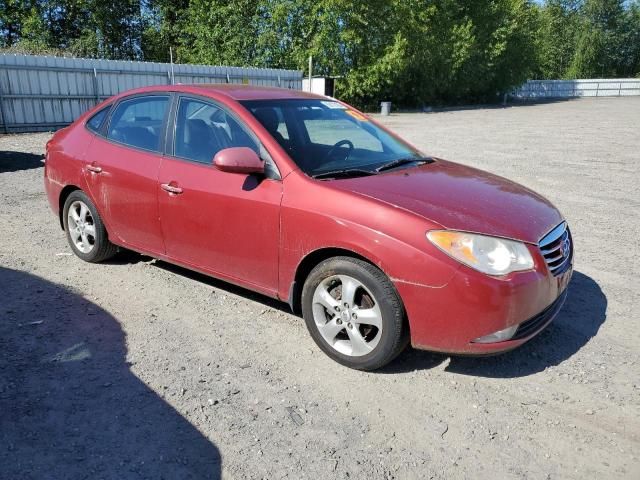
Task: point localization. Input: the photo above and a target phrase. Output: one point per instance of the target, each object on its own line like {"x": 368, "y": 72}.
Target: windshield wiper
{"x": 344, "y": 173}
{"x": 403, "y": 161}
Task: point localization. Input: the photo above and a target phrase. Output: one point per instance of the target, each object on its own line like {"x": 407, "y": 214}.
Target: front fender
{"x": 313, "y": 218}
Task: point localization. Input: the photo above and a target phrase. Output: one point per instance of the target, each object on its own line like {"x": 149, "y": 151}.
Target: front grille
{"x": 532, "y": 325}
{"x": 557, "y": 249}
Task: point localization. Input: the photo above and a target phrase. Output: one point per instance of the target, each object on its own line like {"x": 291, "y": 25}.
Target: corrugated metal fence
{"x": 596, "y": 87}
{"x": 45, "y": 93}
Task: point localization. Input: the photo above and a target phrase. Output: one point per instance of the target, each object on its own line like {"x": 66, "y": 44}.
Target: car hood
{"x": 462, "y": 198}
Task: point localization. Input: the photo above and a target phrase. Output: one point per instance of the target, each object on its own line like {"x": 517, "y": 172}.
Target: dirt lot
{"x": 137, "y": 369}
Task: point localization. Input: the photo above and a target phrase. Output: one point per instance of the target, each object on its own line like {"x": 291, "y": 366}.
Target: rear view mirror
{"x": 313, "y": 113}
{"x": 238, "y": 160}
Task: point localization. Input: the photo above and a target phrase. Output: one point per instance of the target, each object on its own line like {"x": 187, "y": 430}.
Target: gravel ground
{"x": 138, "y": 369}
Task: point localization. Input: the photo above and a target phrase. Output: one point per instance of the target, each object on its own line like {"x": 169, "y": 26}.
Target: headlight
{"x": 490, "y": 255}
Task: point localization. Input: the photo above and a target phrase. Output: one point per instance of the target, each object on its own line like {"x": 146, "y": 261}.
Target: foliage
{"x": 412, "y": 52}
{"x": 162, "y": 29}
{"x": 559, "y": 24}
{"x": 88, "y": 28}
{"x": 589, "y": 38}
{"x": 470, "y": 49}
{"x": 600, "y": 40}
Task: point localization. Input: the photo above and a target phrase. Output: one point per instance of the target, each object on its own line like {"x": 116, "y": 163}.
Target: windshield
{"x": 325, "y": 137}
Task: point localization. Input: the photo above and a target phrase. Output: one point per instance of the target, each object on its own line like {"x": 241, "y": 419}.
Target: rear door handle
{"x": 170, "y": 188}
{"x": 94, "y": 169}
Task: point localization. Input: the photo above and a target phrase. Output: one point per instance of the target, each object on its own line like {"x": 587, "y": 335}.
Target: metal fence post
{"x": 96, "y": 90}
{"x": 5, "y": 127}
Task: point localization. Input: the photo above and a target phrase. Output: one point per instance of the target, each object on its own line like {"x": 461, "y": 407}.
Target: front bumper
{"x": 473, "y": 305}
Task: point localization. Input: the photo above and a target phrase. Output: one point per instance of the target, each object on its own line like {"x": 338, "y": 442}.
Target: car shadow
{"x": 579, "y": 320}
{"x": 127, "y": 257}
{"x": 225, "y": 286}
{"x": 70, "y": 407}
{"x": 11, "y": 161}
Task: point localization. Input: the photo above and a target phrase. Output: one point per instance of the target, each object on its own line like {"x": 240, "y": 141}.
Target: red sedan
{"x": 305, "y": 199}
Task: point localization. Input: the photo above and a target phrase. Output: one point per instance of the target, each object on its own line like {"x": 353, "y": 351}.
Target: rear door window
{"x": 138, "y": 122}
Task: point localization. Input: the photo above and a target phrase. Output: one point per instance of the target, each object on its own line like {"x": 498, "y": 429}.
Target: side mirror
{"x": 238, "y": 160}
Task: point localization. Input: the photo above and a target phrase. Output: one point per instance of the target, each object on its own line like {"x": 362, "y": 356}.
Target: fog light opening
{"x": 499, "y": 336}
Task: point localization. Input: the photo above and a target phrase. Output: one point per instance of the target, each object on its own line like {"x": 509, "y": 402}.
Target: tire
{"x": 85, "y": 231}
{"x": 365, "y": 330}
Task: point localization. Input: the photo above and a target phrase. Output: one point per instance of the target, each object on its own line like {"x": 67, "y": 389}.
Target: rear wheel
{"x": 354, "y": 313}
{"x": 84, "y": 228}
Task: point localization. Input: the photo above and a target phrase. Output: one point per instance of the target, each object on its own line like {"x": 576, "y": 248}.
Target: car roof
{"x": 231, "y": 90}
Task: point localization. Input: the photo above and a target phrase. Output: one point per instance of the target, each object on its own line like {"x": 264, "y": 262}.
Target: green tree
{"x": 113, "y": 30}
{"x": 558, "y": 36}
{"x": 65, "y": 21}
{"x": 162, "y": 29}
{"x": 22, "y": 21}
{"x": 33, "y": 34}
{"x": 407, "y": 51}
{"x": 11, "y": 17}
{"x": 469, "y": 50}
{"x": 412, "y": 52}
{"x": 220, "y": 32}
{"x": 630, "y": 65}
{"x": 600, "y": 45}
{"x": 94, "y": 28}
{"x": 360, "y": 42}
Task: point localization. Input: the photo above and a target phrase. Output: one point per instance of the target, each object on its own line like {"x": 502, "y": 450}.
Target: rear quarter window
{"x": 96, "y": 121}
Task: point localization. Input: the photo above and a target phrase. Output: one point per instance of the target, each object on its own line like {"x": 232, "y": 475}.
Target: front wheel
{"x": 354, "y": 313}
{"x": 84, "y": 228}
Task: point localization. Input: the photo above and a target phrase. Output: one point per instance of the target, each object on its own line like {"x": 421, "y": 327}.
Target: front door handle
{"x": 167, "y": 187}
{"x": 94, "y": 169}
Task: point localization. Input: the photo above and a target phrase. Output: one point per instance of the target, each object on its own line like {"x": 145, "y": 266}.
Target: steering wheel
{"x": 338, "y": 145}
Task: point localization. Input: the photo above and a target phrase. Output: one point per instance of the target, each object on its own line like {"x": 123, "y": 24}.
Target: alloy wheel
{"x": 347, "y": 315}
{"x": 82, "y": 228}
